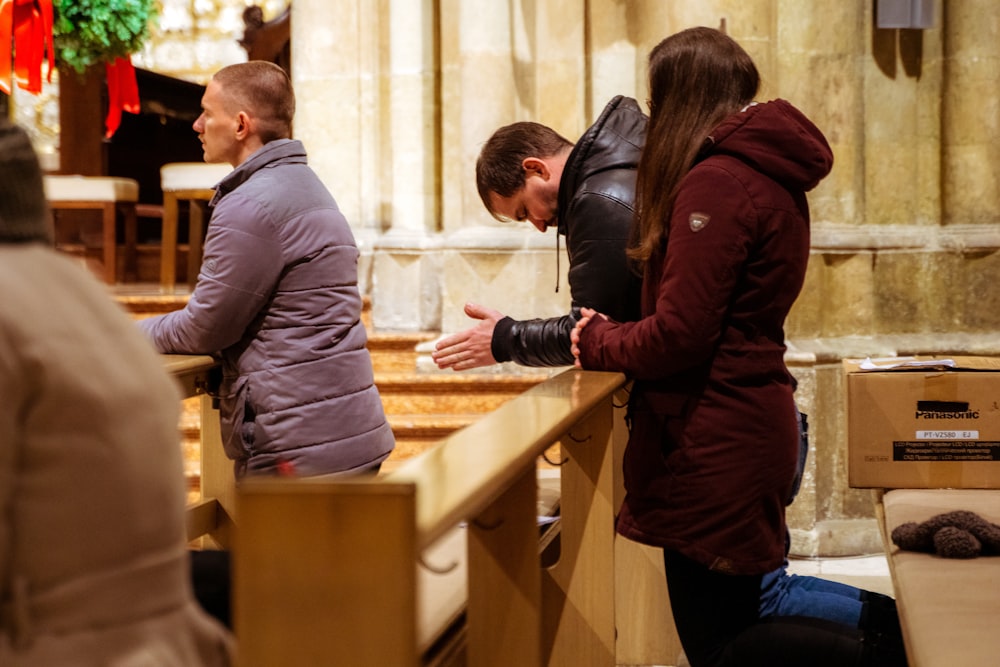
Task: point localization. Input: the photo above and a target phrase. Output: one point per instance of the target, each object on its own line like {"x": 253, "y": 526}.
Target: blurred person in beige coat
{"x": 93, "y": 562}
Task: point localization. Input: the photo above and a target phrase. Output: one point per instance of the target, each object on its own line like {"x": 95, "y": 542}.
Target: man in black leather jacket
{"x": 528, "y": 172}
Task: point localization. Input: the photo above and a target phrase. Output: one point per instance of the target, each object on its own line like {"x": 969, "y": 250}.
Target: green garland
{"x": 88, "y": 32}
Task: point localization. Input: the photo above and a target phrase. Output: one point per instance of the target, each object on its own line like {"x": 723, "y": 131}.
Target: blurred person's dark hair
{"x": 24, "y": 214}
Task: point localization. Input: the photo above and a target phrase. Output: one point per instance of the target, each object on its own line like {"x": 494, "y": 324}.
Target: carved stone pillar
{"x": 335, "y": 48}
{"x": 491, "y": 56}
{"x": 814, "y": 61}
{"x": 617, "y": 60}
{"x": 479, "y": 92}
{"x": 406, "y": 269}
{"x": 555, "y": 46}
{"x": 969, "y": 119}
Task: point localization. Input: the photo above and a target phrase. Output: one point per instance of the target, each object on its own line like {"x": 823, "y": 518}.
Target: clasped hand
{"x": 574, "y": 335}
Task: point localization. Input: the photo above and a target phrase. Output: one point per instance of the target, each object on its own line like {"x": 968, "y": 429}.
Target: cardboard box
{"x": 920, "y": 423}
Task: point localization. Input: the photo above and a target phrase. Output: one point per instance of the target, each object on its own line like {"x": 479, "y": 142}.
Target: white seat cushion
{"x": 192, "y": 175}
{"x": 90, "y": 189}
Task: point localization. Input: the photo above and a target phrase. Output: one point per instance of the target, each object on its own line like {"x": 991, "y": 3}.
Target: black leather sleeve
{"x": 536, "y": 342}
{"x": 599, "y": 275}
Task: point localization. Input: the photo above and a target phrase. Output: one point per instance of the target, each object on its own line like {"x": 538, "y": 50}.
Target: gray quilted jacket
{"x": 277, "y": 301}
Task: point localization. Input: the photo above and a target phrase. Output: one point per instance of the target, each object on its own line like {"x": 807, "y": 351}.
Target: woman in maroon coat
{"x": 723, "y": 237}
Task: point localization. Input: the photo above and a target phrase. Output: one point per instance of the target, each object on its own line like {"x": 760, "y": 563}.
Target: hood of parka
{"x": 777, "y": 140}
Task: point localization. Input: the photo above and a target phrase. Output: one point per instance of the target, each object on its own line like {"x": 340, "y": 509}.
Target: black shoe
{"x": 883, "y": 642}
{"x": 879, "y": 615}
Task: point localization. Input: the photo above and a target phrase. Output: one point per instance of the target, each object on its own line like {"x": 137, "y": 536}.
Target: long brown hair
{"x": 697, "y": 77}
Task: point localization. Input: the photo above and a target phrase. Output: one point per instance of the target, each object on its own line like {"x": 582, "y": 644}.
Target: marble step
{"x": 449, "y": 393}
{"x": 415, "y": 433}
{"x": 396, "y": 352}
{"x": 421, "y": 408}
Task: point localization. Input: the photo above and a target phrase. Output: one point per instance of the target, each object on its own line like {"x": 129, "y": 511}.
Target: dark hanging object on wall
{"x": 904, "y": 14}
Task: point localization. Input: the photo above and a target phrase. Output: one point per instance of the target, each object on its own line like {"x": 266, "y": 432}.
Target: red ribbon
{"x": 25, "y": 32}
{"x": 123, "y": 93}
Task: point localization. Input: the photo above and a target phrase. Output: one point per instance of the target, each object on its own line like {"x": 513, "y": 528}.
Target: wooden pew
{"x": 326, "y": 571}
{"x": 557, "y": 411}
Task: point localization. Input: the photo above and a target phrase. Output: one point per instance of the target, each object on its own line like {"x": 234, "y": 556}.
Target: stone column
{"x": 811, "y": 61}
{"x": 488, "y": 79}
{"x": 478, "y": 94}
{"x": 616, "y": 61}
{"x": 902, "y": 171}
{"x": 557, "y": 54}
{"x": 335, "y": 56}
{"x": 902, "y": 206}
{"x": 490, "y": 52}
{"x": 413, "y": 115}
{"x": 970, "y": 118}
{"x": 406, "y": 280}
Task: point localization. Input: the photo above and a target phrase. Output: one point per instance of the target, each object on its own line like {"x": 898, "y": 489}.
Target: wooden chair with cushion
{"x": 193, "y": 182}
{"x": 111, "y": 195}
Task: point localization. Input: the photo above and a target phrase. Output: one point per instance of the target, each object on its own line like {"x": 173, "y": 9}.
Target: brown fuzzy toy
{"x": 958, "y": 534}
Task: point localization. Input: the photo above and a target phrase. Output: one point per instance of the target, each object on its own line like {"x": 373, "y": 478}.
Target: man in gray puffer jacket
{"x": 277, "y": 297}
{"x": 527, "y": 172}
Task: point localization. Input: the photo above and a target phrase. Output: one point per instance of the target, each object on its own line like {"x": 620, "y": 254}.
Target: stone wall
{"x": 905, "y": 238}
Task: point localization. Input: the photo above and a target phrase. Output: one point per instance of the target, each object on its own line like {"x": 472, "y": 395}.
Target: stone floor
{"x": 867, "y": 572}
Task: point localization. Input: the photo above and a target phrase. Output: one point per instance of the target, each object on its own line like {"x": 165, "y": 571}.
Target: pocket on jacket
{"x": 238, "y": 420}
{"x": 645, "y": 459}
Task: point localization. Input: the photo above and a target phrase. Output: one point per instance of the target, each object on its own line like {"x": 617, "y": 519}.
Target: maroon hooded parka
{"x": 713, "y": 443}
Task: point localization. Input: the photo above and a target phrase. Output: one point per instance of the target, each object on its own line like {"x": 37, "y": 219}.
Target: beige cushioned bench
{"x": 109, "y": 194}
{"x": 192, "y": 182}
{"x": 949, "y": 608}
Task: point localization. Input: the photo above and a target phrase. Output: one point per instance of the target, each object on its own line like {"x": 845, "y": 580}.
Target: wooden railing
{"x": 329, "y": 571}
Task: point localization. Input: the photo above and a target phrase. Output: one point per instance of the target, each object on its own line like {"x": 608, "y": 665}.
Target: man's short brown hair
{"x": 264, "y": 91}
{"x": 499, "y": 167}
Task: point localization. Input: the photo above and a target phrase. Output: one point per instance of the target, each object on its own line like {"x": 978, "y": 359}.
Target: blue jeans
{"x": 783, "y": 594}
